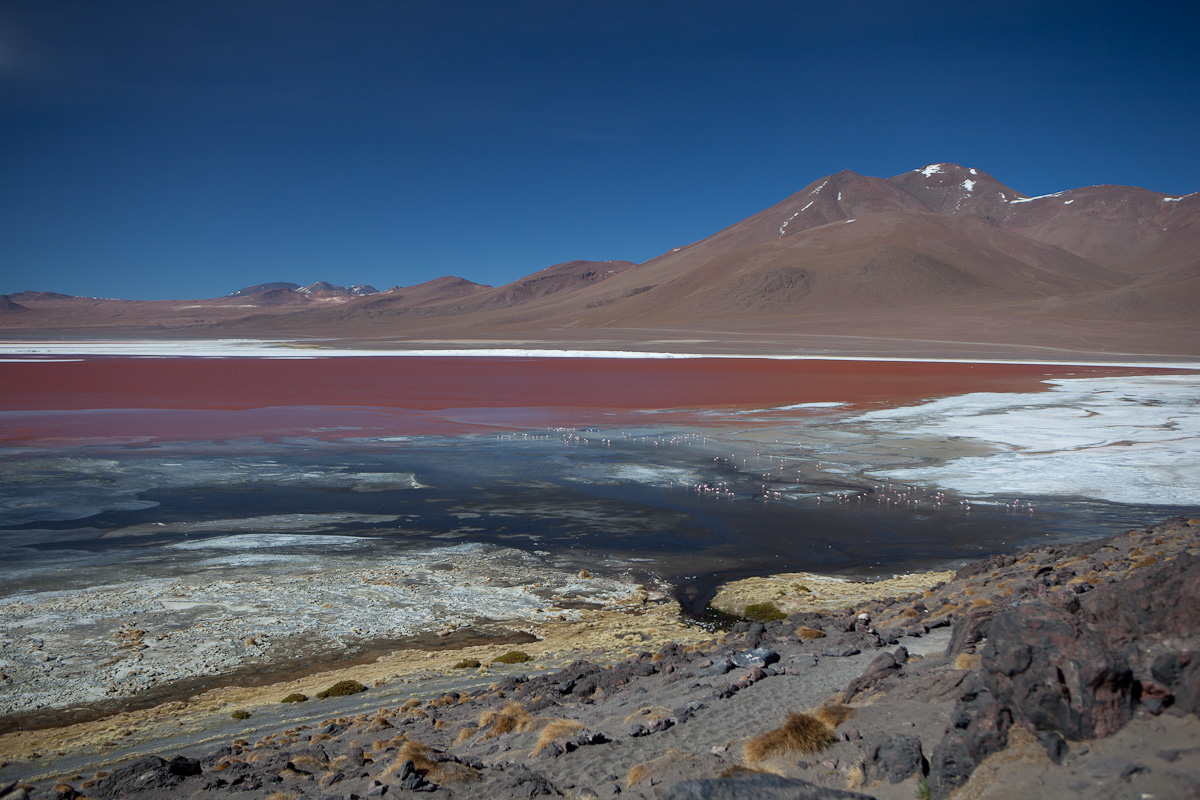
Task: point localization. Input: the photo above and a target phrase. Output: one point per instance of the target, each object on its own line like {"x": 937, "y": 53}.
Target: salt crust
{"x": 108, "y": 642}
{"x": 1124, "y": 440}
{"x": 261, "y": 348}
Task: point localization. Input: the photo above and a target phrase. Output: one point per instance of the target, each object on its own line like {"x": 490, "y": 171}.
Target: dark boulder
{"x": 757, "y": 787}
{"x": 893, "y": 757}
{"x": 1179, "y": 672}
{"x": 979, "y": 727}
{"x": 1056, "y": 674}
{"x": 147, "y": 774}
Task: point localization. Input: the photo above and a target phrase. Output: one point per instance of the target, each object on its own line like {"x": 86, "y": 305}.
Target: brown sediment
{"x": 143, "y": 399}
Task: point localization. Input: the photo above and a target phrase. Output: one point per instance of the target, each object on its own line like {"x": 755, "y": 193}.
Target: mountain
{"x": 939, "y": 259}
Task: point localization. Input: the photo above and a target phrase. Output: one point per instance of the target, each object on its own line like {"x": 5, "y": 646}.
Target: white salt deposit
{"x": 308, "y": 348}
{"x": 795, "y": 406}
{"x": 254, "y": 541}
{"x": 1125, "y": 440}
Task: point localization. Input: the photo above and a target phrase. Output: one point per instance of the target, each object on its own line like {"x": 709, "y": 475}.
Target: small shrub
{"x": 556, "y": 729}
{"x": 833, "y": 714}
{"x": 295, "y": 697}
{"x": 763, "y": 612}
{"x": 923, "y": 789}
{"x": 342, "y": 689}
{"x": 468, "y": 663}
{"x": 800, "y": 734}
{"x": 240, "y": 714}
{"x": 513, "y": 717}
{"x": 513, "y": 657}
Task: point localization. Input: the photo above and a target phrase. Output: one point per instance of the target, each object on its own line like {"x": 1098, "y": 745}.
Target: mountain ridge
{"x": 929, "y": 249}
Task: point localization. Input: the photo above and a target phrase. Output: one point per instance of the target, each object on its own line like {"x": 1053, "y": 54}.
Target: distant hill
{"x": 942, "y": 255}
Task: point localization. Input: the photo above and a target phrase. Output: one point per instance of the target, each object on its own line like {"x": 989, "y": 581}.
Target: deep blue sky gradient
{"x": 186, "y": 149}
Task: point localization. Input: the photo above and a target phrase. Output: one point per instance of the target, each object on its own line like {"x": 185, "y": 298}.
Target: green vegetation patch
{"x": 514, "y": 657}
{"x": 763, "y": 612}
{"x": 468, "y": 663}
{"x": 342, "y": 689}
{"x": 295, "y": 697}
{"x": 240, "y": 714}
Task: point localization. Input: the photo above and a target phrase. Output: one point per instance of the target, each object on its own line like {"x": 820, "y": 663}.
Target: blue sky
{"x": 186, "y": 149}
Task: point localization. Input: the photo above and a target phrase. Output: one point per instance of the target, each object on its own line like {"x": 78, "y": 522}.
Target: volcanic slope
{"x": 943, "y": 252}
{"x": 944, "y": 255}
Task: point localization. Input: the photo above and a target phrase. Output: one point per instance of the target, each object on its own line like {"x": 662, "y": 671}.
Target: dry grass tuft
{"x": 980, "y": 602}
{"x": 513, "y": 717}
{"x": 1144, "y": 562}
{"x": 281, "y": 796}
{"x": 737, "y": 770}
{"x": 640, "y": 772}
{"x": 556, "y": 729}
{"x": 833, "y": 714}
{"x": 310, "y": 761}
{"x": 807, "y": 633}
{"x": 426, "y": 766}
{"x": 855, "y": 778}
{"x": 800, "y": 734}
{"x": 967, "y": 660}
{"x": 466, "y": 732}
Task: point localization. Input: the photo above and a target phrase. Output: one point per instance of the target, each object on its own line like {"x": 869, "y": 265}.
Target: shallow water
{"x": 686, "y": 506}
{"x": 693, "y": 471}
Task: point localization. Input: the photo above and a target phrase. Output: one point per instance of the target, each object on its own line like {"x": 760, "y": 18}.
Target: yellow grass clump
{"x": 513, "y": 717}
{"x": 556, "y": 729}
{"x": 806, "y": 633}
{"x": 833, "y": 714}
{"x": 428, "y": 768}
{"x": 739, "y": 770}
{"x": 801, "y": 733}
{"x": 640, "y": 772}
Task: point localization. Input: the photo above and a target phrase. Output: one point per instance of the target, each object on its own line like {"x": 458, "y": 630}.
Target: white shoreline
{"x": 297, "y": 349}
{"x": 1132, "y": 440}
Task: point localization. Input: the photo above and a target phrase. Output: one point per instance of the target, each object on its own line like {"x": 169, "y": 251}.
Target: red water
{"x": 126, "y": 399}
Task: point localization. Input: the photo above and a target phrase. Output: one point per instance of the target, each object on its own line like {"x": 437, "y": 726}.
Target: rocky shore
{"x": 1058, "y": 671}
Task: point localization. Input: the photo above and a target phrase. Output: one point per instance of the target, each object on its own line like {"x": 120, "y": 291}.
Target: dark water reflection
{"x": 613, "y": 502}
